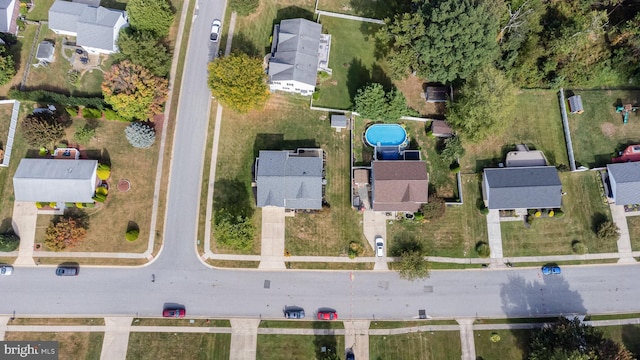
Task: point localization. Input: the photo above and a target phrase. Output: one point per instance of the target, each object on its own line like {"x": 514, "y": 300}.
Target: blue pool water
{"x": 385, "y": 135}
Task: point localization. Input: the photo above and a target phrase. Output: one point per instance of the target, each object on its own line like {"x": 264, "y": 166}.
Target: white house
{"x": 293, "y": 66}
{"x": 96, "y": 28}
{"x": 9, "y": 11}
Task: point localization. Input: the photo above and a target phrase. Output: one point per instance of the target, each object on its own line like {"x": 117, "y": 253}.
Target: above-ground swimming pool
{"x": 386, "y": 135}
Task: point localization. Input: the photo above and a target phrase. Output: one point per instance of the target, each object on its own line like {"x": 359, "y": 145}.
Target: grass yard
{"x": 253, "y": 32}
{"x": 435, "y": 345}
{"x": 297, "y": 324}
{"x": 180, "y": 322}
{"x": 355, "y": 60}
{"x": 512, "y": 345}
{"x": 584, "y": 211}
{"x": 454, "y": 235}
{"x": 108, "y": 222}
{"x": 20, "y": 53}
{"x": 40, "y": 10}
{"x": 5, "y": 122}
{"x": 371, "y": 9}
{"x": 286, "y": 347}
{"x": 629, "y": 335}
{"x": 536, "y": 123}
{"x": 405, "y": 324}
{"x": 599, "y": 132}
{"x": 178, "y": 346}
{"x": 330, "y": 266}
{"x": 83, "y": 345}
{"x": 56, "y": 321}
{"x": 634, "y": 232}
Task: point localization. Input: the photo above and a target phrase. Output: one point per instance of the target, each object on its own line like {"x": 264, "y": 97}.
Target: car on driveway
{"x": 67, "y": 271}
{"x": 327, "y": 315}
{"x": 379, "y": 246}
{"x": 294, "y": 313}
{"x": 551, "y": 270}
{"x": 6, "y": 270}
{"x": 174, "y": 313}
{"x": 216, "y": 26}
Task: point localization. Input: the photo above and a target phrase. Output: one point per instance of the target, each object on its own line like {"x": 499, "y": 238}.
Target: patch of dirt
{"x": 608, "y": 129}
{"x": 411, "y": 88}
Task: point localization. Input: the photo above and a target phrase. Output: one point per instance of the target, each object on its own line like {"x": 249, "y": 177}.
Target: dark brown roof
{"x": 361, "y": 176}
{"x": 441, "y": 128}
{"x": 399, "y": 185}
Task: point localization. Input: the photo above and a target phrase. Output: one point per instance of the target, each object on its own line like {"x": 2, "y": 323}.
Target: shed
{"x": 436, "y": 94}
{"x": 441, "y": 128}
{"x": 575, "y": 104}
{"x": 45, "y": 51}
{"x": 338, "y": 122}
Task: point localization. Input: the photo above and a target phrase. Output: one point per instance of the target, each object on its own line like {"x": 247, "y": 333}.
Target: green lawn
{"x": 436, "y": 345}
{"x": 286, "y": 347}
{"x": 634, "y": 232}
{"x": 354, "y": 59}
{"x": 404, "y": 324}
{"x": 40, "y": 10}
{"x": 80, "y": 346}
{"x": 301, "y": 324}
{"x": 583, "y": 210}
{"x": 512, "y": 345}
{"x": 599, "y": 132}
{"x": 537, "y": 123}
{"x": 456, "y": 234}
{"x": 178, "y": 346}
{"x": 366, "y": 8}
{"x": 629, "y": 335}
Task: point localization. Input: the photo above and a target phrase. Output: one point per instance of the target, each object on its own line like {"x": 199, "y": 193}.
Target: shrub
{"x": 103, "y": 172}
{"x": 551, "y": 213}
{"x": 483, "y": 249}
{"x": 73, "y": 78}
{"x": 9, "y": 242}
{"x": 578, "y": 247}
{"x": 455, "y": 168}
{"x": 132, "y": 234}
{"x": 100, "y": 197}
{"x": 84, "y": 134}
{"x": 49, "y": 97}
{"x": 91, "y": 113}
{"x": 558, "y": 213}
{"x": 434, "y": 208}
{"x": 355, "y": 249}
{"x": 538, "y": 214}
{"x": 452, "y": 150}
{"x": 140, "y": 135}
{"x": 484, "y": 210}
{"x": 608, "y": 231}
{"x": 244, "y": 7}
{"x": 102, "y": 190}
{"x": 71, "y": 110}
{"x": 111, "y": 114}
{"x": 64, "y": 232}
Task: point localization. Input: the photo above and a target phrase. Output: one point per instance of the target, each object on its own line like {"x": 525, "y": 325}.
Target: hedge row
{"x": 49, "y": 97}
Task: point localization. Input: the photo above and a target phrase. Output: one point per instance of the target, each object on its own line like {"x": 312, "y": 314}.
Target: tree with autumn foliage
{"x": 42, "y": 129}
{"x": 64, "y": 232}
{"x": 134, "y": 92}
{"x": 238, "y": 82}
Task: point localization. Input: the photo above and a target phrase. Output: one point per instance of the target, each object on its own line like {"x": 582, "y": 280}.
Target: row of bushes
{"x": 49, "y": 97}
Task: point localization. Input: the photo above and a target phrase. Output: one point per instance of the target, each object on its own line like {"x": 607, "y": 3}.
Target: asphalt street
{"x": 181, "y": 278}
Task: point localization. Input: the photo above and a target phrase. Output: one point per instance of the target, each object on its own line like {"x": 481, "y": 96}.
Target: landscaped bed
{"x": 433, "y": 345}
{"x": 583, "y": 210}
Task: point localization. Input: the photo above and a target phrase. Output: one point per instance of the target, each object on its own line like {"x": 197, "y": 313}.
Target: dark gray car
{"x": 294, "y": 313}
{"x": 67, "y": 271}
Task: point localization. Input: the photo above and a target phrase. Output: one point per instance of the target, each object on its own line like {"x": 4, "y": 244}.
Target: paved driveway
{"x": 495, "y": 233}
{"x": 272, "y": 238}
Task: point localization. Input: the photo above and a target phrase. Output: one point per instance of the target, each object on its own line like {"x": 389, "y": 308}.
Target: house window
{"x": 297, "y": 89}
{"x": 289, "y": 84}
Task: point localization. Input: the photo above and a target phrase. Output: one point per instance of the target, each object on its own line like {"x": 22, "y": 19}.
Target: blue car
{"x": 551, "y": 270}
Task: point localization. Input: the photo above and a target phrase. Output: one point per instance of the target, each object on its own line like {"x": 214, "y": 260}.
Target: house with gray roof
{"x": 624, "y": 180}
{"x": 288, "y": 179}
{"x": 533, "y": 187}
{"x": 399, "y": 185}
{"x": 9, "y": 11}
{"x": 52, "y": 180}
{"x": 96, "y": 28}
{"x": 293, "y": 65}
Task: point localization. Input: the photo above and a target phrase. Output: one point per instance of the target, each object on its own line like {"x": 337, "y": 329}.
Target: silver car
{"x": 6, "y": 270}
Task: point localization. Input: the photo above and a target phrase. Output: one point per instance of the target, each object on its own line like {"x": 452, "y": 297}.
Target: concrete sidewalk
{"x": 244, "y": 339}
{"x": 116, "y": 338}
{"x": 272, "y": 249}
{"x": 3, "y": 323}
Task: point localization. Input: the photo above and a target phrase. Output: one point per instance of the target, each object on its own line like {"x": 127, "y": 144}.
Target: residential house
{"x": 59, "y": 181}
{"x": 399, "y": 185}
{"x": 293, "y": 66}
{"x": 9, "y": 12}
{"x": 624, "y": 180}
{"x": 96, "y": 28}
{"x": 528, "y": 187}
{"x": 292, "y": 180}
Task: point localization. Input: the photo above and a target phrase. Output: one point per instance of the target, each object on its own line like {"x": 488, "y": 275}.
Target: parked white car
{"x": 379, "y": 246}
{"x": 216, "y": 27}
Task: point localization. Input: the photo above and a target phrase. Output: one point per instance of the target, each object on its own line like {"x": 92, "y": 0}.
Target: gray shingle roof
{"x": 296, "y": 55}
{"x": 45, "y": 51}
{"x": 63, "y": 15}
{"x": 523, "y": 187}
{"x": 625, "y": 182}
{"x": 289, "y": 181}
{"x": 51, "y": 180}
{"x": 6, "y": 14}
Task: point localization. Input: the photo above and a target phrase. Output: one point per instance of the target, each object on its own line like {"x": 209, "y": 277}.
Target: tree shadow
{"x": 324, "y": 340}
{"x": 357, "y": 76}
{"x": 243, "y": 44}
{"x": 235, "y": 198}
{"x": 380, "y": 9}
{"x": 630, "y": 336}
{"x": 378, "y": 75}
{"x": 546, "y": 298}
{"x": 132, "y": 226}
{"x": 405, "y": 241}
{"x": 6, "y": 226}
{"x": 79, "y": 215}
{"x": 596, "y": 220}
{"x": 277, "y": 142}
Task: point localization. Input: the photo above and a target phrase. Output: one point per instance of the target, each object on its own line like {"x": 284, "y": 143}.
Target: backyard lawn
{"x": 513, "y": 344}
{"x": 150, "y": 346}
{"x": 537, "y": 123}
{"x": 634, "y": 232}
{"x": 454, "y": 235}
{"x": 366, "y": 8}
{"x": 354, "y": 59}
{"x": 629, "y": 335}
{"x": 285, "y": 347}
{"x": 435, "y": 345}
{"x": 82, "y": 345}
{"x": 584, "y": 211}
{"x": 599, "y": 132}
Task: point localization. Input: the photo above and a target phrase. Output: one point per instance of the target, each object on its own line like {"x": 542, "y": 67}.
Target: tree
{"x": 134, "y": 92}
{"x": 570, "y": 339}
{"x": 7, "y": 66}
{"x": 238, "y": 82}
{"x": 608, "y": 231}
{"x": 84, "y": 134}
{"x": 140, "y": 135}
{"x": 413, "y": 266}
{"x": 63, "y": 233}
{"x": 155, "y": 16}
{"x": 446, "y": 40}
{"x": 234, "y": 231}
{"x": 144, "y": 49}
{"x": 485, "y": 105}
{"x": 42, "y": 129}
{"x": 373, "y": 102}
{"x": 9, "y": 242}
{"x": 434, "y": 208}
{"x": 452, "y": 150}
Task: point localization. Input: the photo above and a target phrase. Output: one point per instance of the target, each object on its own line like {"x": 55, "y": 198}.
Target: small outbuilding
{"x": 45, "y": 52}
{"x": 575, "y": 104}
{"x": 441, "y": 129}
{"x": 338, "y": 122}
{"x": 436, "y": 94}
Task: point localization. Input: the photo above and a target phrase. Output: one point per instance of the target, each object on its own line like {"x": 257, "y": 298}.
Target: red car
{"x": 327, "y": 315}
{"x": 174, "y": 313}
